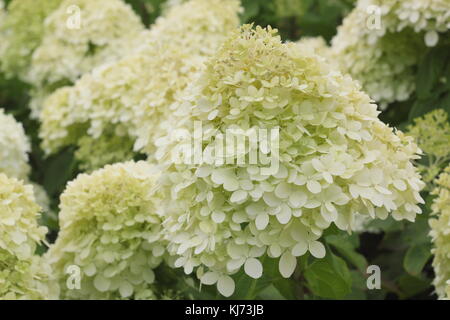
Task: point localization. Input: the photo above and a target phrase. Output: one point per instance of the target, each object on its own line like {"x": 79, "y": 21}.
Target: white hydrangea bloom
{"x": 80, "y": 35}
{"x": 14, "y": 148}
{"x": 110, "y": 228}
{"x": 132, "y": 96}
{"x": 381, "y": 43}
{"x": 440, "y": 234}
{"x": 318, "y": 44}
{"x": 21, "y": 32}
{"x": 23, "y": 275}
{"x": 336, "y": 161}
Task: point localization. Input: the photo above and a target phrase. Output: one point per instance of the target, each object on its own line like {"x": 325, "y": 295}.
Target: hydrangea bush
{"x": 314, "y": 186}
{"x": 336, "y": 161}
{"x": 126, "y": 100}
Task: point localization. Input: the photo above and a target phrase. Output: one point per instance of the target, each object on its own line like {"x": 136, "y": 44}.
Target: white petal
{"x": 282, "y": 190}
{"x": 101, "y": 283}
{"x": 285, "y": 214}
{"x": 209, "y": 278}
{"x": 314, "y": 186}
{"x": 299, "y": 249}
{"x": 297, "y": 199}
{"x": 287, "y": 264}
{"x": 317, "y": 249}
{"x": 431, "y": 38}
{"x": 238, "y": 196}
{"x": 231, "y": 184}
{"x": 125, "y": 289}
{"x": 253, "y": 268}
{"x": 218, "y": 216}
{"x": 262, "y": 220}
{"x": 225, "y": 285}
{"x": 203, "y": 172}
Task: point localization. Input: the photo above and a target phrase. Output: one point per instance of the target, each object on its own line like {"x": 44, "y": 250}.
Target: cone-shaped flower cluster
{"x": 21, "y": 32}
{"x": 23, "y": 275}
{"x": 131, "y": 97}
{"x": 432, "y": 133}
{"x": 382, "y": 41}
{"x": 109, "y": 229}
{"x": 331, "y": 159}
{"x": 440, "y": 233}
{"x": 14, "y": 148}
{"x": 79, "y": 36}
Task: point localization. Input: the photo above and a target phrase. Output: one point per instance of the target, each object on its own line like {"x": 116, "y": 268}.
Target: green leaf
{"x": 416, "y": 257}
{"x": 346, "y": 248}
{"x": 431, "y": 69}
{"x": 411, "y": 286}
{"x": 61, "y": 169}
{"x": 329, "y": 277}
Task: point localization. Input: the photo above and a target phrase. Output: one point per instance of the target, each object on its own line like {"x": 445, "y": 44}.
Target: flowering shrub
{"x": 23, "y": 275}
{"x": 381, "y": 43}
{"x": 440, "y": 234}
{"x": 336, "y": 161}
{"x": 269, "y": 172}
{"x": 110, "y": 229}
{"x": 102, "y": 102}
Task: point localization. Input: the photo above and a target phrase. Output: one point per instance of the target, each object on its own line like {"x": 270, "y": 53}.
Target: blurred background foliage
{"x": 402, "y": 250}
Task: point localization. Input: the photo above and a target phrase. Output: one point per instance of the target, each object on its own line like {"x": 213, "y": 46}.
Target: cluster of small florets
{"x": 110, "y": 230}
{"x": 21, "y": 32}
{"x": 131, "y": 97}
{"x": 332, "y": 159}
{"x": 79, "y": 36}
{"x": 23, "y": 275}
{"x": 440, "y": 233}
{"x": 382, "y": 41}
{"x": 432, "y": 134}
{"x": 14, "y": 148}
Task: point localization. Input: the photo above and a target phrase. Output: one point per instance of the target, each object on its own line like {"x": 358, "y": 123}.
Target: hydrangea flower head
{"x": 23, "y": 275}
{"x": 131, "y": 97}
{"x": 432, "y": 133}
{"x": 21, "y": 32}
{"x": 333, "y": 160}
{"x": 110, "y": 229}
{"x": 381, "y": 42}
{"x": 440, "y": 234}
{"x": 79, "y": 36}
{"x": 14, "y": 147}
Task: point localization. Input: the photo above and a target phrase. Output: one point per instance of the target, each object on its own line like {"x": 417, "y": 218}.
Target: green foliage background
{"x": 402, "y": 250}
